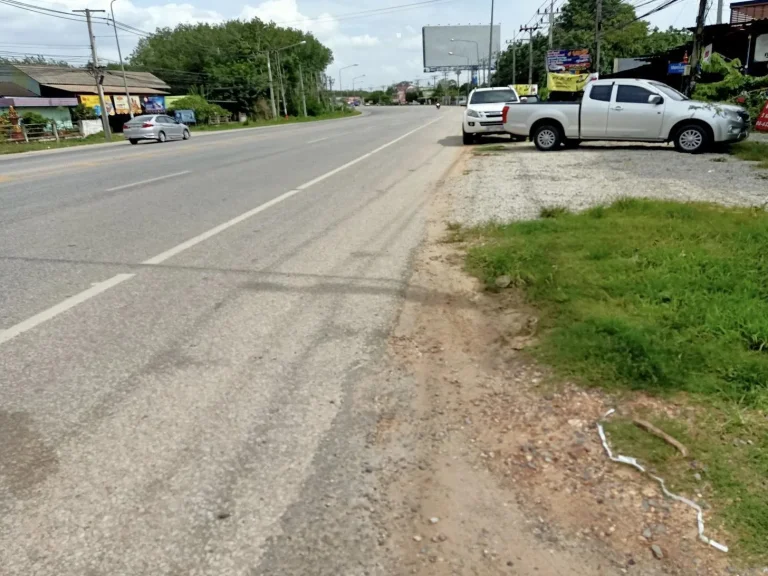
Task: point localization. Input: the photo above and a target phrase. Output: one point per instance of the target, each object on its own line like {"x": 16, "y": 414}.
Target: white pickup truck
{"x": 635, "y": 110}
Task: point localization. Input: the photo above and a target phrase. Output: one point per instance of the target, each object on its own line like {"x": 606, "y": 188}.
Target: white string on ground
{"x": 634, "y": 463}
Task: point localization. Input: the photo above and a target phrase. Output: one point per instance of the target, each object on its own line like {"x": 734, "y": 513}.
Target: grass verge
{"x": 752, "y": 151}
{"x": 665, "y": 298}
{"x": 17, "y": 147}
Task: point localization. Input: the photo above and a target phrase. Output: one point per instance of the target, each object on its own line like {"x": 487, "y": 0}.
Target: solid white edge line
{"x": 162, "y": 257}
{"x": 61, "y": 307}
{"x": 131, "y": 185}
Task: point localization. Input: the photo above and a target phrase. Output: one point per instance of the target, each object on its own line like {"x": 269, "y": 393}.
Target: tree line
{"x": 227, "y": 63}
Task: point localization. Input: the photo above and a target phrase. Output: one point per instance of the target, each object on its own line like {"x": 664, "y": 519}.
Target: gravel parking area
{"x": 515, "y": 183}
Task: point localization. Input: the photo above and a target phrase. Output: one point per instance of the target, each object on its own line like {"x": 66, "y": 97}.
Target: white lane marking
{"x": 62, "y": 307}
{"x": 96, "y": 289}
{"x": 132, "y": 184}
{"x": 318, "y": 140}
{"x": 162, "y": 257}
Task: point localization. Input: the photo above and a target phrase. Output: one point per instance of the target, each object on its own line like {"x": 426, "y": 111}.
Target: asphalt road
{"x": 189, "y": 334}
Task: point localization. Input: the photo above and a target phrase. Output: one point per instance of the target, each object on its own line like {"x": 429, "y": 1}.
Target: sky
{"x": 385, "y": 46}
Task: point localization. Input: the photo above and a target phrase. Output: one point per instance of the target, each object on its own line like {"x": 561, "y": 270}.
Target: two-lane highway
{"x": 188, "y": 336}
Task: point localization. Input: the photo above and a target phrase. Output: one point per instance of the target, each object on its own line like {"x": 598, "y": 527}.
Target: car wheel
{"x": 467, "y": 138}
{"x": 161, "y": 137}
{"x": 570, "y": 143}
{"x": 547, "y": 137}
{"x": 691, "y": 139}
{"x": 133, "y": 141}
{"x": 186, "y": 135}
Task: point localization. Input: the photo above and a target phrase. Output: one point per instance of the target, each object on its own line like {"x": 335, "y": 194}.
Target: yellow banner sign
{"x": 568, "y": 82}
{"x": 92, "y": 101}
{"x": 526, "y": 89}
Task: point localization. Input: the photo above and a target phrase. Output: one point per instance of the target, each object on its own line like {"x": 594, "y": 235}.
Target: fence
{"x": 25, "y": 133}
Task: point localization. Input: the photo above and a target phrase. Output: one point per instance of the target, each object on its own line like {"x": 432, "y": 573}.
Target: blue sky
{"x": 386, "y": 47}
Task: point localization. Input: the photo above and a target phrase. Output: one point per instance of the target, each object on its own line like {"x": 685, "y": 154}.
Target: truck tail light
{"x": 504, "y": 114}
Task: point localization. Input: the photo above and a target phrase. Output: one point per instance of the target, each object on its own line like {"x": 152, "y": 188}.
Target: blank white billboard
{"x": 468, "y": 43}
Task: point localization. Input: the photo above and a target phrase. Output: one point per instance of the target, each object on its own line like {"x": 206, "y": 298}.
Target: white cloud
{"x": 398, "y": 35}
{"x": 410, "y": 29}
{"x": 390, "y": 70}
{"x": 411, "y": 43}
{"x": 364, "y": 40}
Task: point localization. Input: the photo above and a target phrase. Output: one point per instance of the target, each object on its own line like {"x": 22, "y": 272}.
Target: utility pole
{"x": 490, "y": 48}
{"x": 120, "y": 56}
{"x": 699, "y": 36}
{"x": 598, "y": 33}
{"x": 551, "y": 21}
{"x": 719, "y": 11}
{"x": 303, "y": 96}
{"x": 531, "y": 30}
{"x": 271, "y": 88}
{"x": 98, "y": 75}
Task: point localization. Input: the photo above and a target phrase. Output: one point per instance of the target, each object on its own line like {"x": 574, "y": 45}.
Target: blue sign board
{"x": 568, "y": 60}
{"x": 676, "y": 68}
{"x": 185, "y": 116}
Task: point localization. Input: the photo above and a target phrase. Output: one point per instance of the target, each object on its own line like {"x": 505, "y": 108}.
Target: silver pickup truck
{"x": 634, "y": 110}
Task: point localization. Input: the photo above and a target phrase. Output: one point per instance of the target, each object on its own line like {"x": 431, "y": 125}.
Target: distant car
{"x": 483, "y": 113}
{"x": 158, "y": 127}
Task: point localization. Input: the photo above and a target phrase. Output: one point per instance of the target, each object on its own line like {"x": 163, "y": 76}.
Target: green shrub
{"x": 204, "y": 110}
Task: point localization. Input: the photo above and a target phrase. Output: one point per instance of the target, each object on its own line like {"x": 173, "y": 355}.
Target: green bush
{"x": 82, "y": 112}
{"x": 29, "y": 118}
{"x": 204, "y": 110}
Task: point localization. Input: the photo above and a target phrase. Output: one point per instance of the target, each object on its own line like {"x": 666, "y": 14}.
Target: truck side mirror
{"x": 655, "y": 99}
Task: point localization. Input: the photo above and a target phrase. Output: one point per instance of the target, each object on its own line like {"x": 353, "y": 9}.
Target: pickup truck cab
{"x": 483, "y": 113}
{"x": 628, "y": 110}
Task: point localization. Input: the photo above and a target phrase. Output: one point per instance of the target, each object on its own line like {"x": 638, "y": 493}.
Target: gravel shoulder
{"x": 486, "y": 467}
{"x": 516, "y": 182}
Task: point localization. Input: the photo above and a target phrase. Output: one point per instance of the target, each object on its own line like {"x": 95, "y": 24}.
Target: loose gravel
{"x": 517, "y": 182}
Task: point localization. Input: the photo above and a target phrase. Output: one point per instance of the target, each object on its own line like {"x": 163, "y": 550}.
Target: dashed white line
{"x": 132, "y": 184}
{"x": 318, "y": 140}
{"x": 237, "y": 219}
{"x": 62, "y": 307}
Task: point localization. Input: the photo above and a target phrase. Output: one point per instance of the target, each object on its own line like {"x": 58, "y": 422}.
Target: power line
{"x": 43, "y": 11}
{"x": 366, "y": 13}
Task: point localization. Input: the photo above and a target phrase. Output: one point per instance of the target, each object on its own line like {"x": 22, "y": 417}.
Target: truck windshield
{"x": 669, "y": 91}
{"x": 493, "y": 97}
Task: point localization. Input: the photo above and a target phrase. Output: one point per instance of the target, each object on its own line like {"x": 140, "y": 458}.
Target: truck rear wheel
{"x": 547, "y": 137}
{"x": 467, "y": 138}
{"x": 692, "y": 139}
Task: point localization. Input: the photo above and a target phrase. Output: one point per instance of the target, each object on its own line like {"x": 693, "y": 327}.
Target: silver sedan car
{"x": 158, "y": 127}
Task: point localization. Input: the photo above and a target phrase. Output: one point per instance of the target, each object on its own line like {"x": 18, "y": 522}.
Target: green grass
{"x": 661, "y": 297}
{"x": 275, "y": 122}
{"x": 16, "y": 147}
{"x": 753, "y": 152}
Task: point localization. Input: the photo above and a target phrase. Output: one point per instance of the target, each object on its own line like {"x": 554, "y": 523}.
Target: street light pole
{"x": 490, "y": 47}
{"x": 341, "y": 91}
{"x": 477, "y": 49}
{"x": 120, "y": 56}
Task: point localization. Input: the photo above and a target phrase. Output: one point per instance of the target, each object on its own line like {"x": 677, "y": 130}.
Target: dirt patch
{"x": 493, "y": 467}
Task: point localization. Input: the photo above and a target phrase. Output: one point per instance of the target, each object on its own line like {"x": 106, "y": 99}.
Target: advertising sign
{"x": 761, "y": 48}
{"x": 526, "y": 89}
{"x": 92, "y": 101}
{"x": 469, "y": 45}
{"x": 568, "y": 82}
{"x": 568, "y": 60}
{"x": 121, "y": 104}
{"x": 706, "y": 56}
{"x": 185, "y": 116}
{"x": 762, "y": 120}
{"x": 154, "y": 104}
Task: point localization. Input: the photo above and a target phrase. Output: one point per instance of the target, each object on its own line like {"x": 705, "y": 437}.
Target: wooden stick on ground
{"x": 648, "y": 427}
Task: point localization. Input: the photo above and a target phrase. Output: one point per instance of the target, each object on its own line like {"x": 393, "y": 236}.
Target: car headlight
{"x": 733, "y": 115}
{"x": 473, "y": 114}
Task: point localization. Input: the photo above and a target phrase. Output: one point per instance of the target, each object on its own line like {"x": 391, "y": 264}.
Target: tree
{"x": 227, "y": 62}
{"x": 622, "y": 37}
